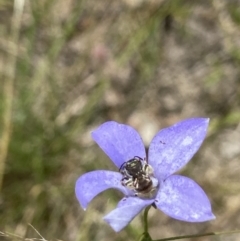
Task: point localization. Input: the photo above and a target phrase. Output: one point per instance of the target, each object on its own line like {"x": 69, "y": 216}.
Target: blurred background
{"x": 66, "y": 66}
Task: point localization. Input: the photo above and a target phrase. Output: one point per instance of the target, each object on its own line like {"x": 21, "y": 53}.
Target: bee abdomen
{"x": 144, "y": 185}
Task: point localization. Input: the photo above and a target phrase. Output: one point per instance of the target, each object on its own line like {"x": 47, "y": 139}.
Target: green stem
{"x": 145, "y": 216}
{"x": 197, "y": 235}
{"x": 145, "y": 236}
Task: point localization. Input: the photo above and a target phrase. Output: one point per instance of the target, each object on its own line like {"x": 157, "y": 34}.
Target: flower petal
{"x": 181, "y": 198}
{"x": 120, "y": 142}
{"x": 173, "y": 147}
{"x": 92, "y": 183}
{"x": 126, "y": 210}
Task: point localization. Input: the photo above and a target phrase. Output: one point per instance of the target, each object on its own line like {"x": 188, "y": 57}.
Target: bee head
{"x": 134, "y": 167}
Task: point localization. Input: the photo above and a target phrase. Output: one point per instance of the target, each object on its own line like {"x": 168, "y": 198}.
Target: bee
{"x": 138, "y": 177}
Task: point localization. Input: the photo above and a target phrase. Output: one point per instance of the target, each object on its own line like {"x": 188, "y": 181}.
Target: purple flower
{"x": 177, "y": 196}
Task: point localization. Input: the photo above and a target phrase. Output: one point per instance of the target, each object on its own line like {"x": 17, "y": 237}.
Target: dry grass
{"x": 68, "y": 65}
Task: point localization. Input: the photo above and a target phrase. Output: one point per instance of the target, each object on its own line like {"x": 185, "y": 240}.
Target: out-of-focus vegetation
{"x": 66, "y": 66}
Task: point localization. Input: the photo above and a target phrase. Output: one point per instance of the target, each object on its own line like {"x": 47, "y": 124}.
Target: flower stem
{"x": 145, "y": 221}
{"x": 198, "y": 235}
{"x": 145, "y": 236}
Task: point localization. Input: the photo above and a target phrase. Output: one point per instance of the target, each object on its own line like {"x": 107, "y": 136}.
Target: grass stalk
{"x": 8, "y": 84}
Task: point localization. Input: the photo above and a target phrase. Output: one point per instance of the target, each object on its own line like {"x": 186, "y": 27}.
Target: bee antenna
{"x": 122, "y": 166}
{"x": 138, "y": 157}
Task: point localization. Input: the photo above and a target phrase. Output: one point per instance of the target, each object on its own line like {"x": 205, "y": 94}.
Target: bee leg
{"x": 135, "y": 183}
{"x": 127, "y": 182}
{"x": 149, "y": 170}
{"x": 124, "y": 181}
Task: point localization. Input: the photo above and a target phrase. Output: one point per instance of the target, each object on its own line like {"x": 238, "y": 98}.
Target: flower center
{"x": 138, "y": 177}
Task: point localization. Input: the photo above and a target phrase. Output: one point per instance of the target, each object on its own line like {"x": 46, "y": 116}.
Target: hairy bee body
{"x": 143, "y": 184}
{"x": 138, "y": 176}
